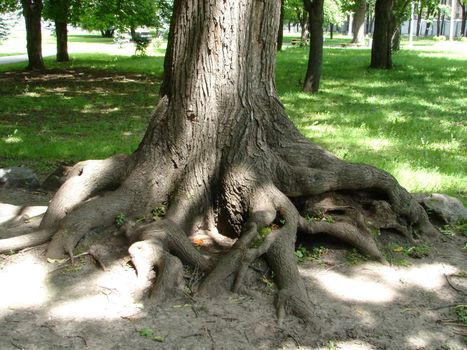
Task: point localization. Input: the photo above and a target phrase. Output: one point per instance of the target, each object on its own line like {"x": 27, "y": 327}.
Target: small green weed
{"x": 158, "y": 212}
{"x": 458, "y": 228}
{"x": 302, "y": 253}
{"x": 262, "y": 234}
{"x": 461, "y": 313}
{"x": 149, "y": 333}
{"x": 120, "y": 220}
{"x": 319, "y": 216}
{"x": 331, "y": 345}
{"x": 416, "y": 251}
{"x": 354, "y": 257}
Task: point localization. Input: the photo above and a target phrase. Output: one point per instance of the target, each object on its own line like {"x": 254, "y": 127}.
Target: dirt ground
{"x": 358, "y": 304}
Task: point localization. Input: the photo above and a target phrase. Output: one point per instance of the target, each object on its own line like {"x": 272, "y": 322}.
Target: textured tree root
{"x": 315, "y": 195}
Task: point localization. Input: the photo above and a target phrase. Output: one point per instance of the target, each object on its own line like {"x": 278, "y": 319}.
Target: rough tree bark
{"x": 61, "y": 32}
{"x": 32, "y": 12}
{"x": 358, "y": 24}
{"x": 222, "y": 155}
{"x": 381, "y": 56}
{"x": 315, "y": 59}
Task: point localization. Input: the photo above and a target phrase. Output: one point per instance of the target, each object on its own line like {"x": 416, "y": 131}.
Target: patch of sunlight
{"x": 426, "y": 276}
{"x": 23, "y": 284}
{"x": 357, "y": 289}
{"x": 88, "y": 108}
{"x": 110, "y": 110}
{"x": 109, "y": 297}
{"x": 453, "y": 145}
{"x": 376, "y": 144}
{"x": 12, "y": 139}
{"x": 416, "y": 179}
{"x": 31, "y": 94}
{"x": 425, "y": 340}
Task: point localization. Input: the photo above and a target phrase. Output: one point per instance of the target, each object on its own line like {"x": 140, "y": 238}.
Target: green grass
{"x": 10, "y": 54}
{"x": 89, "y": 38}
{"x": 410, "y": 121}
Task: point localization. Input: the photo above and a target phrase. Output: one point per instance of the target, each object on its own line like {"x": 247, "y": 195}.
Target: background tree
{"x": 62, "y": 12}
{"x": 106, "y": 16}
{"x": 295, "y": 12}
{"x": 463, "y": 5}
{"x": 315, "y": 9}
{"x": 222, "y": 156}
{"x": 280, "y": 33}
{"x": 32, "y": 12}
{"x": 381, "y": 55}
{"x": 333, "y": 14}
{"x": 358, "y": 8}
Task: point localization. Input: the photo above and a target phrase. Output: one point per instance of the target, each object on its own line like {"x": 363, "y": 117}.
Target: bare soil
{"x": 358, "y": 304}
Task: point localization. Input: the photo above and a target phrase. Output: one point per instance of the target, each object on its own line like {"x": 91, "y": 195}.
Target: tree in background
{"x": 106, "y": 16}
{"x": 32, "y": 12}
{"x": 333, "y": 14}
{"x": 295, "y": 12}
{"x": 315, "y": 9}
{"x": 280, "y": 33}
{"x": 381, "y": 55}
{"x": 463, "y": 5}
{"x": 358, "y": 24}
{"x": 62, "y": 12}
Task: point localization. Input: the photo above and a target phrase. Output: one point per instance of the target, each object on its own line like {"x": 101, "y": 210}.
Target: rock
{"x": 447, "y": 208}
{"x": 18, "y": 177}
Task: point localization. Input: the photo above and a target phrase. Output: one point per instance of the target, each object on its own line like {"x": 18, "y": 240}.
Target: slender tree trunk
{"x": 428, "y": 22}
{"x": 419, "y": 19}
{"x": 108, "y": 33}
{"x": 61, "y": 32}
{"x": 382, "y": 37}
{"x": 331, "y": 30}
{"x": 315, "y": 60}
{"x": 464, "y": 18}
{"x": 358, "y": 24}
{"x": 396, "y": 39}
{"x": 442, "y": 19}
{"x": 32, "y": 12}
{"x": 280, "y": 32}
{"x": 349, "y": 24}
{"x": 438, "y": 23}
{"x": 304, "y": 28}
{"x": 133, "y": 33}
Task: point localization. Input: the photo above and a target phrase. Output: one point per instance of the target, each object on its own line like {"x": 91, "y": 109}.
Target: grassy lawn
{"x": 410, "y": 121}
{"x": 10, "y": 54}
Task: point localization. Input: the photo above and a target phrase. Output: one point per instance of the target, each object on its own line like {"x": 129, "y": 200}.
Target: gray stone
{"x": 18, "y": 177}
{"x": 446, "y": 208}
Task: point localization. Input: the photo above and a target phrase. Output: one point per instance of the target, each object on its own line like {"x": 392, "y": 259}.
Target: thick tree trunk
{"x": 280, "y": 32}
{"x": 358, "y": 24}
{"x": 32, "y": 12}
{"x": 382, "y": 37}
{"x": 223, "y": 158}
{"x": 61, "y": 32}
{"x": 315, "y": 59}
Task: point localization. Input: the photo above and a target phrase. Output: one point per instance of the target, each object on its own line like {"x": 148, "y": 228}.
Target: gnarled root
{"x": 162, "y": 244}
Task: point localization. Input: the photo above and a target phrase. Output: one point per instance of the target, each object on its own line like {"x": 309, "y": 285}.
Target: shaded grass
{"x": 410, "y": 121}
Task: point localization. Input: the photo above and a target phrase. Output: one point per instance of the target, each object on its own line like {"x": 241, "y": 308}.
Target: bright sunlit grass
{"x": 410, "y": 121}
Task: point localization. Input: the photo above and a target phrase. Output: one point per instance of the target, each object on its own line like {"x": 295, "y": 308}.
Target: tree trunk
{"x": 331, "y": 31}
{"x": 396, "y": 39}
{"x": 464, "y": 19}
{"x": 419, "y": 19}
{"x": 315, "y": 59}
{"x": 108, "y": 33}
{"x": 280, "y": 32}
{"x": 358, "y": 24}
{"x": 304, "y": 28}
{"x": 428, "y": 23}
{"x": 133, "y": 33}
{"x": 382, "y": 37}
{"x": 61, "y": 32}
{"x": 223, "y": 159}
{"x": 32, "y": 12}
